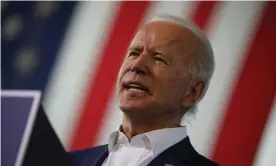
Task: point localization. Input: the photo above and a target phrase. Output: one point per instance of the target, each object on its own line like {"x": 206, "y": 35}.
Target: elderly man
{"x": 166, "y": 72}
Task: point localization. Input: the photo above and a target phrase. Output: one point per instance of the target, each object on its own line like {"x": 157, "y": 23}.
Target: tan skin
{"x": 158, "y": 59}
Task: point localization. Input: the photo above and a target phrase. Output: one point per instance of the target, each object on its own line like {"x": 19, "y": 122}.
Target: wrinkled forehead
{"x": 165, "y": 34}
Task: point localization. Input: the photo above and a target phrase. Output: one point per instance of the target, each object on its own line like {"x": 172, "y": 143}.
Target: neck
{"x": 134, "y": 125}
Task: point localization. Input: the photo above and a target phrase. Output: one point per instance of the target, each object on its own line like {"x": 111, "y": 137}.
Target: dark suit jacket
{"x": 44, "y": 147}
{"x": 180, "y": 154}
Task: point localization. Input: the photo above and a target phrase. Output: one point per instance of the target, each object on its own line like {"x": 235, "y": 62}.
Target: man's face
{"x": 154, "y": 76}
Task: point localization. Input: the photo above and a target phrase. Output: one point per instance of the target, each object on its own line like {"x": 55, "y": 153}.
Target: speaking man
{"x": 166, "y": 72}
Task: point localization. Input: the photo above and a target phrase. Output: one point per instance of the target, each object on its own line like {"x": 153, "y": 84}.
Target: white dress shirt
{"x": 142, "y": 148}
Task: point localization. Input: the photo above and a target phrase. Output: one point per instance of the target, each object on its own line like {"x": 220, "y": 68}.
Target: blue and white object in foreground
{"x": 18, "y": 112}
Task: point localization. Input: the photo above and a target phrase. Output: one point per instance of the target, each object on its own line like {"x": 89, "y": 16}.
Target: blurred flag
{"x": 75, "y": 52}
{"x": 31, "y": 36}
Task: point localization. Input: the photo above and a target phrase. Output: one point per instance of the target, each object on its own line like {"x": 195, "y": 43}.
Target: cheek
{"x": 120, "y": 75}
{"x": 171, "y": 85}
{"x": 123, "y": 70}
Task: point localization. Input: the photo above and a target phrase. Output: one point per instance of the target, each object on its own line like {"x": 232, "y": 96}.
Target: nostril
{"x": 132, "y": 69}
{"x": 138, "y": 70}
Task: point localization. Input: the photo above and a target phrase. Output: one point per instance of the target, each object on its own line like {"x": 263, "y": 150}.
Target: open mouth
{"x": 134, "y": 87}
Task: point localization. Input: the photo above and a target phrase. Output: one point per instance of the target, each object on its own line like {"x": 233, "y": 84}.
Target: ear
{"x": 193, "y": 94}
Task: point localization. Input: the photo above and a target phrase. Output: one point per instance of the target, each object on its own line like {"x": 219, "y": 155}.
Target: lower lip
{"x": 136, "y": 92}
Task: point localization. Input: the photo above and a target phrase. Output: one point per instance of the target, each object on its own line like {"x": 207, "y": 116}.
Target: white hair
{"x": 204, "y": 63}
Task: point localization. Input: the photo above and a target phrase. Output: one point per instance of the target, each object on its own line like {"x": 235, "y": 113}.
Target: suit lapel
{"x": 177, "y": 155}
{"x": 102, "y": 157}
{"x": 160, "y": 162}
{"x": 102, "y": 154}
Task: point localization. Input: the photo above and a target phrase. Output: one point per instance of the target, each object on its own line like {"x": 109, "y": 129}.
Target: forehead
{"x": 166, "y": 35}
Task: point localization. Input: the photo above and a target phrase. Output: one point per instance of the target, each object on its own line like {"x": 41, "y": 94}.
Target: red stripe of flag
{"x": 203, "y": 12}
{"x": 127, "y": 21}
{"x": 252, "y": 98}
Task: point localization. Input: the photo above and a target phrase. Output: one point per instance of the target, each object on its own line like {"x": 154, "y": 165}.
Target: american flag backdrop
{"x": 72, "y": 51}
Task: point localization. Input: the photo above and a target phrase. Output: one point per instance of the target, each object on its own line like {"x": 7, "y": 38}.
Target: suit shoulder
{"x": 79, "y": 155}
{"x": 201, "y": 160}
{"x": 90, "y": 151}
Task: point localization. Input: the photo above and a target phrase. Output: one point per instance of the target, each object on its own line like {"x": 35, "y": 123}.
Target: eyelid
{"x": 161, "y": 57}
{"x": 137, "y": 49}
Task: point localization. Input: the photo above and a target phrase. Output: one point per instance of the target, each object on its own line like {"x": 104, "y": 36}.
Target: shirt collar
{"x": 113, "y": 137}
{"x": 119, "y": 137}
{"x": 164, "y": 138}
{"x": 158, "y": 140}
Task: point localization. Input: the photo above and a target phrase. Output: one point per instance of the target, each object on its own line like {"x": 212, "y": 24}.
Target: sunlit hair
{"x": 203, "y": 63}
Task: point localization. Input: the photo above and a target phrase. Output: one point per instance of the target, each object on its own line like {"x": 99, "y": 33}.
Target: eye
{"x": 159, "y": 59}
{"x": 133, "y": 54}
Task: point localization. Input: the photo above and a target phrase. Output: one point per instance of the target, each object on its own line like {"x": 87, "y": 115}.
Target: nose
{"x": 140, "y": 64}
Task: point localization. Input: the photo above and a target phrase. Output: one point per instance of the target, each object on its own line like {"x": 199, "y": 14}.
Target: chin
{"x": 131, "y": 102}
{"x": 131, "y": 107}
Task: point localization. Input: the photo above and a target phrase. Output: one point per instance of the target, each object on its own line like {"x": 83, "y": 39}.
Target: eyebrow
{"x": 135, "y": 48}
{"x": 164, "y": 54}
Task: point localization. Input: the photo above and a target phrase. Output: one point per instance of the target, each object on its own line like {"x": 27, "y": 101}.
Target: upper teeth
{"x": 134, "y": 85}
